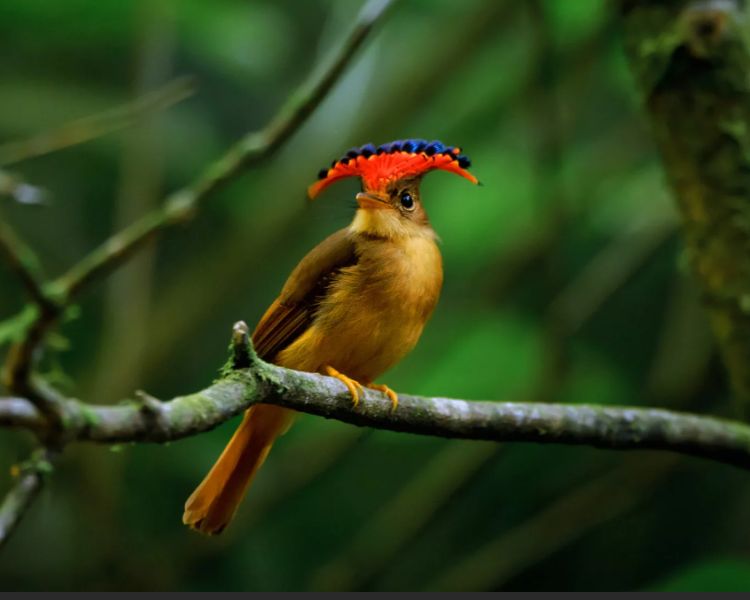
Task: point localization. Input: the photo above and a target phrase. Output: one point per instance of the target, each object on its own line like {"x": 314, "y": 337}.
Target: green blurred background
{"x": 564, "y": 282}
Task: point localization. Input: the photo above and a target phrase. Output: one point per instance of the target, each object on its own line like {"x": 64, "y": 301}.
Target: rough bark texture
{"x": 692, "y": 63}
{"x": 149, "y": 420}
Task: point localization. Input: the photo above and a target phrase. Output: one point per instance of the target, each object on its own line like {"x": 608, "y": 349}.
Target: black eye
{"x": 407, "y": 201}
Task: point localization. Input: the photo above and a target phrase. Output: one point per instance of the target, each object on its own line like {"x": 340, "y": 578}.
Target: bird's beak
{"x": 372, "y": 201}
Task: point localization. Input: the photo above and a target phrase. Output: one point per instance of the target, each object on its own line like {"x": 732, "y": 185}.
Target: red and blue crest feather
{"x": 389, "y": 162}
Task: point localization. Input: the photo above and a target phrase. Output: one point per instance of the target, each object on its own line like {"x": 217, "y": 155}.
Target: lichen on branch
{"x": 620, "y": 428}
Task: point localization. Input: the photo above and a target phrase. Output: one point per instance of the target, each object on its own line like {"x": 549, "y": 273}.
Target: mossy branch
{"x": 619, "y": 428}
{"x": 38, "y": 406}
{"x": 177, "y": 208}
{"x": 692, "y": 60}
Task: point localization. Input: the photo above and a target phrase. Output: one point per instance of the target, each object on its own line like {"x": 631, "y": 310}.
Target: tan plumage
{"x": 357, "y": 303}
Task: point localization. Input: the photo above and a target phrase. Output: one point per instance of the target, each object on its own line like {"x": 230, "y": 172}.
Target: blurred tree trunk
{"x": 692, "y": 63}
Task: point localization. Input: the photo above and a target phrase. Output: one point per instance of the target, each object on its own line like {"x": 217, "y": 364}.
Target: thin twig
{"x": 29, "y": 480}
{"x": 17, "y": 368}
{"x": 253, "y": 148}
{"x": 94, "y": 126}
{"x": 25, "y": 266}
{"x": 487, "y": 20}
{"x": 182, "y": 204}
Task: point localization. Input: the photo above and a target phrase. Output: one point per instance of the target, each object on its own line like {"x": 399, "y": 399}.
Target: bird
{"x": 352, "y": 308}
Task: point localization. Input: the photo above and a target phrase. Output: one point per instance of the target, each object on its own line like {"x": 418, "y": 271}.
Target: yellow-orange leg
{"x": 387, "y": 391}
{"x": 354, "y": 387}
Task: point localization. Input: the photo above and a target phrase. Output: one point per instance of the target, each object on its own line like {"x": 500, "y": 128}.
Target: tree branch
{"x": 619, "y": 428}
{"x": 20, "y": 413}
{"x": 16, "y": 371}
{"x": 29, "y": 480}
{"x": 182, "y": 204}
{"x": 248, "y": 380}
{"x": 24, "y": 265}
{"x": 248, "y": 151}
{"x": 691, "y": 60}
{"x": 94, "y": 126}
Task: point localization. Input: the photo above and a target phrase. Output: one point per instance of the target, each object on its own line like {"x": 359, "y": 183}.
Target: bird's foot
{"x": 387, "y": 391}
{"x": 354, "y": 387}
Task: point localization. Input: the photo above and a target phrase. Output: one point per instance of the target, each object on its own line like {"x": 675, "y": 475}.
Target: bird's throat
{"x": 388, "y": 224}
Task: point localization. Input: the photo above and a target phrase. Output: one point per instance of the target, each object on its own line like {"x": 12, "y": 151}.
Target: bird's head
{"x": 390, "y": 205}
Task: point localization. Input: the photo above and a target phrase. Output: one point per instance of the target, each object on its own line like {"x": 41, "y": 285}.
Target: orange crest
{"x": 398, "y": 160}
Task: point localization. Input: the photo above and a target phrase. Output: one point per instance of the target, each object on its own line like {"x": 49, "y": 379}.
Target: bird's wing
{"x": 293, "y": 311}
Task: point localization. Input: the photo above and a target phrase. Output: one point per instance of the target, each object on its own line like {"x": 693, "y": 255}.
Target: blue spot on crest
{"x": 413, "y": 146}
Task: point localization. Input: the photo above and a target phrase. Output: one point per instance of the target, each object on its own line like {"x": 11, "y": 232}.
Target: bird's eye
{"x": 407, "y": 201}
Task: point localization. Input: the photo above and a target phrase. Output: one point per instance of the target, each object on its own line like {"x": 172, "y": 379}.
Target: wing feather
{"x": 293, "y": 311}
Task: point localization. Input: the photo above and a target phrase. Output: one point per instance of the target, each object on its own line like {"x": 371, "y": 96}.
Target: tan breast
{"x": 375, "y": 311}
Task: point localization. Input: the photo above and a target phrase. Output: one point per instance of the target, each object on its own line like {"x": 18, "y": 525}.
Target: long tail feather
{"x": 212, "y": 505}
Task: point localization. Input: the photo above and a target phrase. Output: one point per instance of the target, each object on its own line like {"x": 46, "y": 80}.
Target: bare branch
{"x": 241, "y": 347}
{"x": 24, "y": 264}
{"x": 182, "y": 204}
{"x": 619, "y": 428}
{"x": 19, "y": 362}
{"x": 248, "y": 151}
{"x": 17, "y": 368}
{"x": 94, "y": 126}
{"x": 20, "y": 413}
{"x": 29, "y": 480}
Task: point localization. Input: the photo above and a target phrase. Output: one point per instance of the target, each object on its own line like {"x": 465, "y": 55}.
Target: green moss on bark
{"x": 692, "y": 63}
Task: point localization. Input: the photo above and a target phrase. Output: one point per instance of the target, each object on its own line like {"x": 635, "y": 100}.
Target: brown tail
{"x": 212, "y": 505}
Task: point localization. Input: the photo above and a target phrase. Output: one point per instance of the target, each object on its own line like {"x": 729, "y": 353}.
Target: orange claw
{"x": 354, "y": 387}
{"x": 387, "y": 391}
